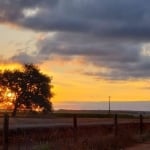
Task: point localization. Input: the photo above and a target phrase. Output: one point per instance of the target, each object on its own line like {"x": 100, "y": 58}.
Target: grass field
{"x": 84, "y": 138}
{"x": 97, "y": 136}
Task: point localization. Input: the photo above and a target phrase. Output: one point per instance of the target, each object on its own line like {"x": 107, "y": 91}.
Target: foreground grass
{"x": 100, "y": 137}
{"x": 83, "y": 138}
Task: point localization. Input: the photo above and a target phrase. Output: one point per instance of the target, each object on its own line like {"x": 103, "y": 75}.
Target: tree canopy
{"x": 31, "y": 87}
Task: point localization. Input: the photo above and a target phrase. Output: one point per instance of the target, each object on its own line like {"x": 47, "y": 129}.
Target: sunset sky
{"x": 92, "y": 48}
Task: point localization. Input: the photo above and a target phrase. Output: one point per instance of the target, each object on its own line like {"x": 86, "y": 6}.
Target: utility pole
{"x": 109, "y": 103}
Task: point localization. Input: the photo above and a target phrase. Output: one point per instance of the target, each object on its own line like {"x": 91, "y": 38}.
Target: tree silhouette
{"x": 31, "y": 87}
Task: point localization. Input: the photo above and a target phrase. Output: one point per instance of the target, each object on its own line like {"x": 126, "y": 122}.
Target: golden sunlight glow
{"x": 72, "y": 85}
{"x": 36, "y": 108}
{"x": 9, "y": 66}
{"x": 10, "y": 95}
{"x": 7, "y": 98}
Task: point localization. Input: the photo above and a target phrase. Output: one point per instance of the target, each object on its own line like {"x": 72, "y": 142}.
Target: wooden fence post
{"x": 75, "y": 121}
{"x": 75, "y": 127}
{"x": 116, "y": 125}
{"x": 5, "y": 131}
{"x": 141, "y": 124}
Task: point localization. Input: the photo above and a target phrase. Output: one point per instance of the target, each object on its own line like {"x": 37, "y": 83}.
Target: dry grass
{"x": 95, "y": 137}
{"x": 84, "y": 138}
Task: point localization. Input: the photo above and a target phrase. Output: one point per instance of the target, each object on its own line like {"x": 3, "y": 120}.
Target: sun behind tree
{"x": 7, "y": 97}
{"x": 30, "y": 87}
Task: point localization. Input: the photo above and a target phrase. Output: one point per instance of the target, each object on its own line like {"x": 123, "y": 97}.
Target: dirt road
{"x": 54, "y": 122}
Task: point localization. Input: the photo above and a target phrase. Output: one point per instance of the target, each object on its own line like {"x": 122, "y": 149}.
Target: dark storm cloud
{"x": 12, "y": 11}
{"x": 108, "y": 33}
{"x": 24, "y": 58}
{"x": 123, "y": 60}
{"x": 120, "y": 18}
{"x": 85, "y": 45}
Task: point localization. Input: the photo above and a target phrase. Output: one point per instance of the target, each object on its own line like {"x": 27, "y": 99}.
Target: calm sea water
{"x": 135, "y": 106}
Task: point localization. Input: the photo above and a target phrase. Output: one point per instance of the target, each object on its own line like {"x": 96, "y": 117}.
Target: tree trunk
{"x": 15, "y": 110}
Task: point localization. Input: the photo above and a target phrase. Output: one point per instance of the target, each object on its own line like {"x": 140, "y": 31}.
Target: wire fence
{"x": 73, "y": 122}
